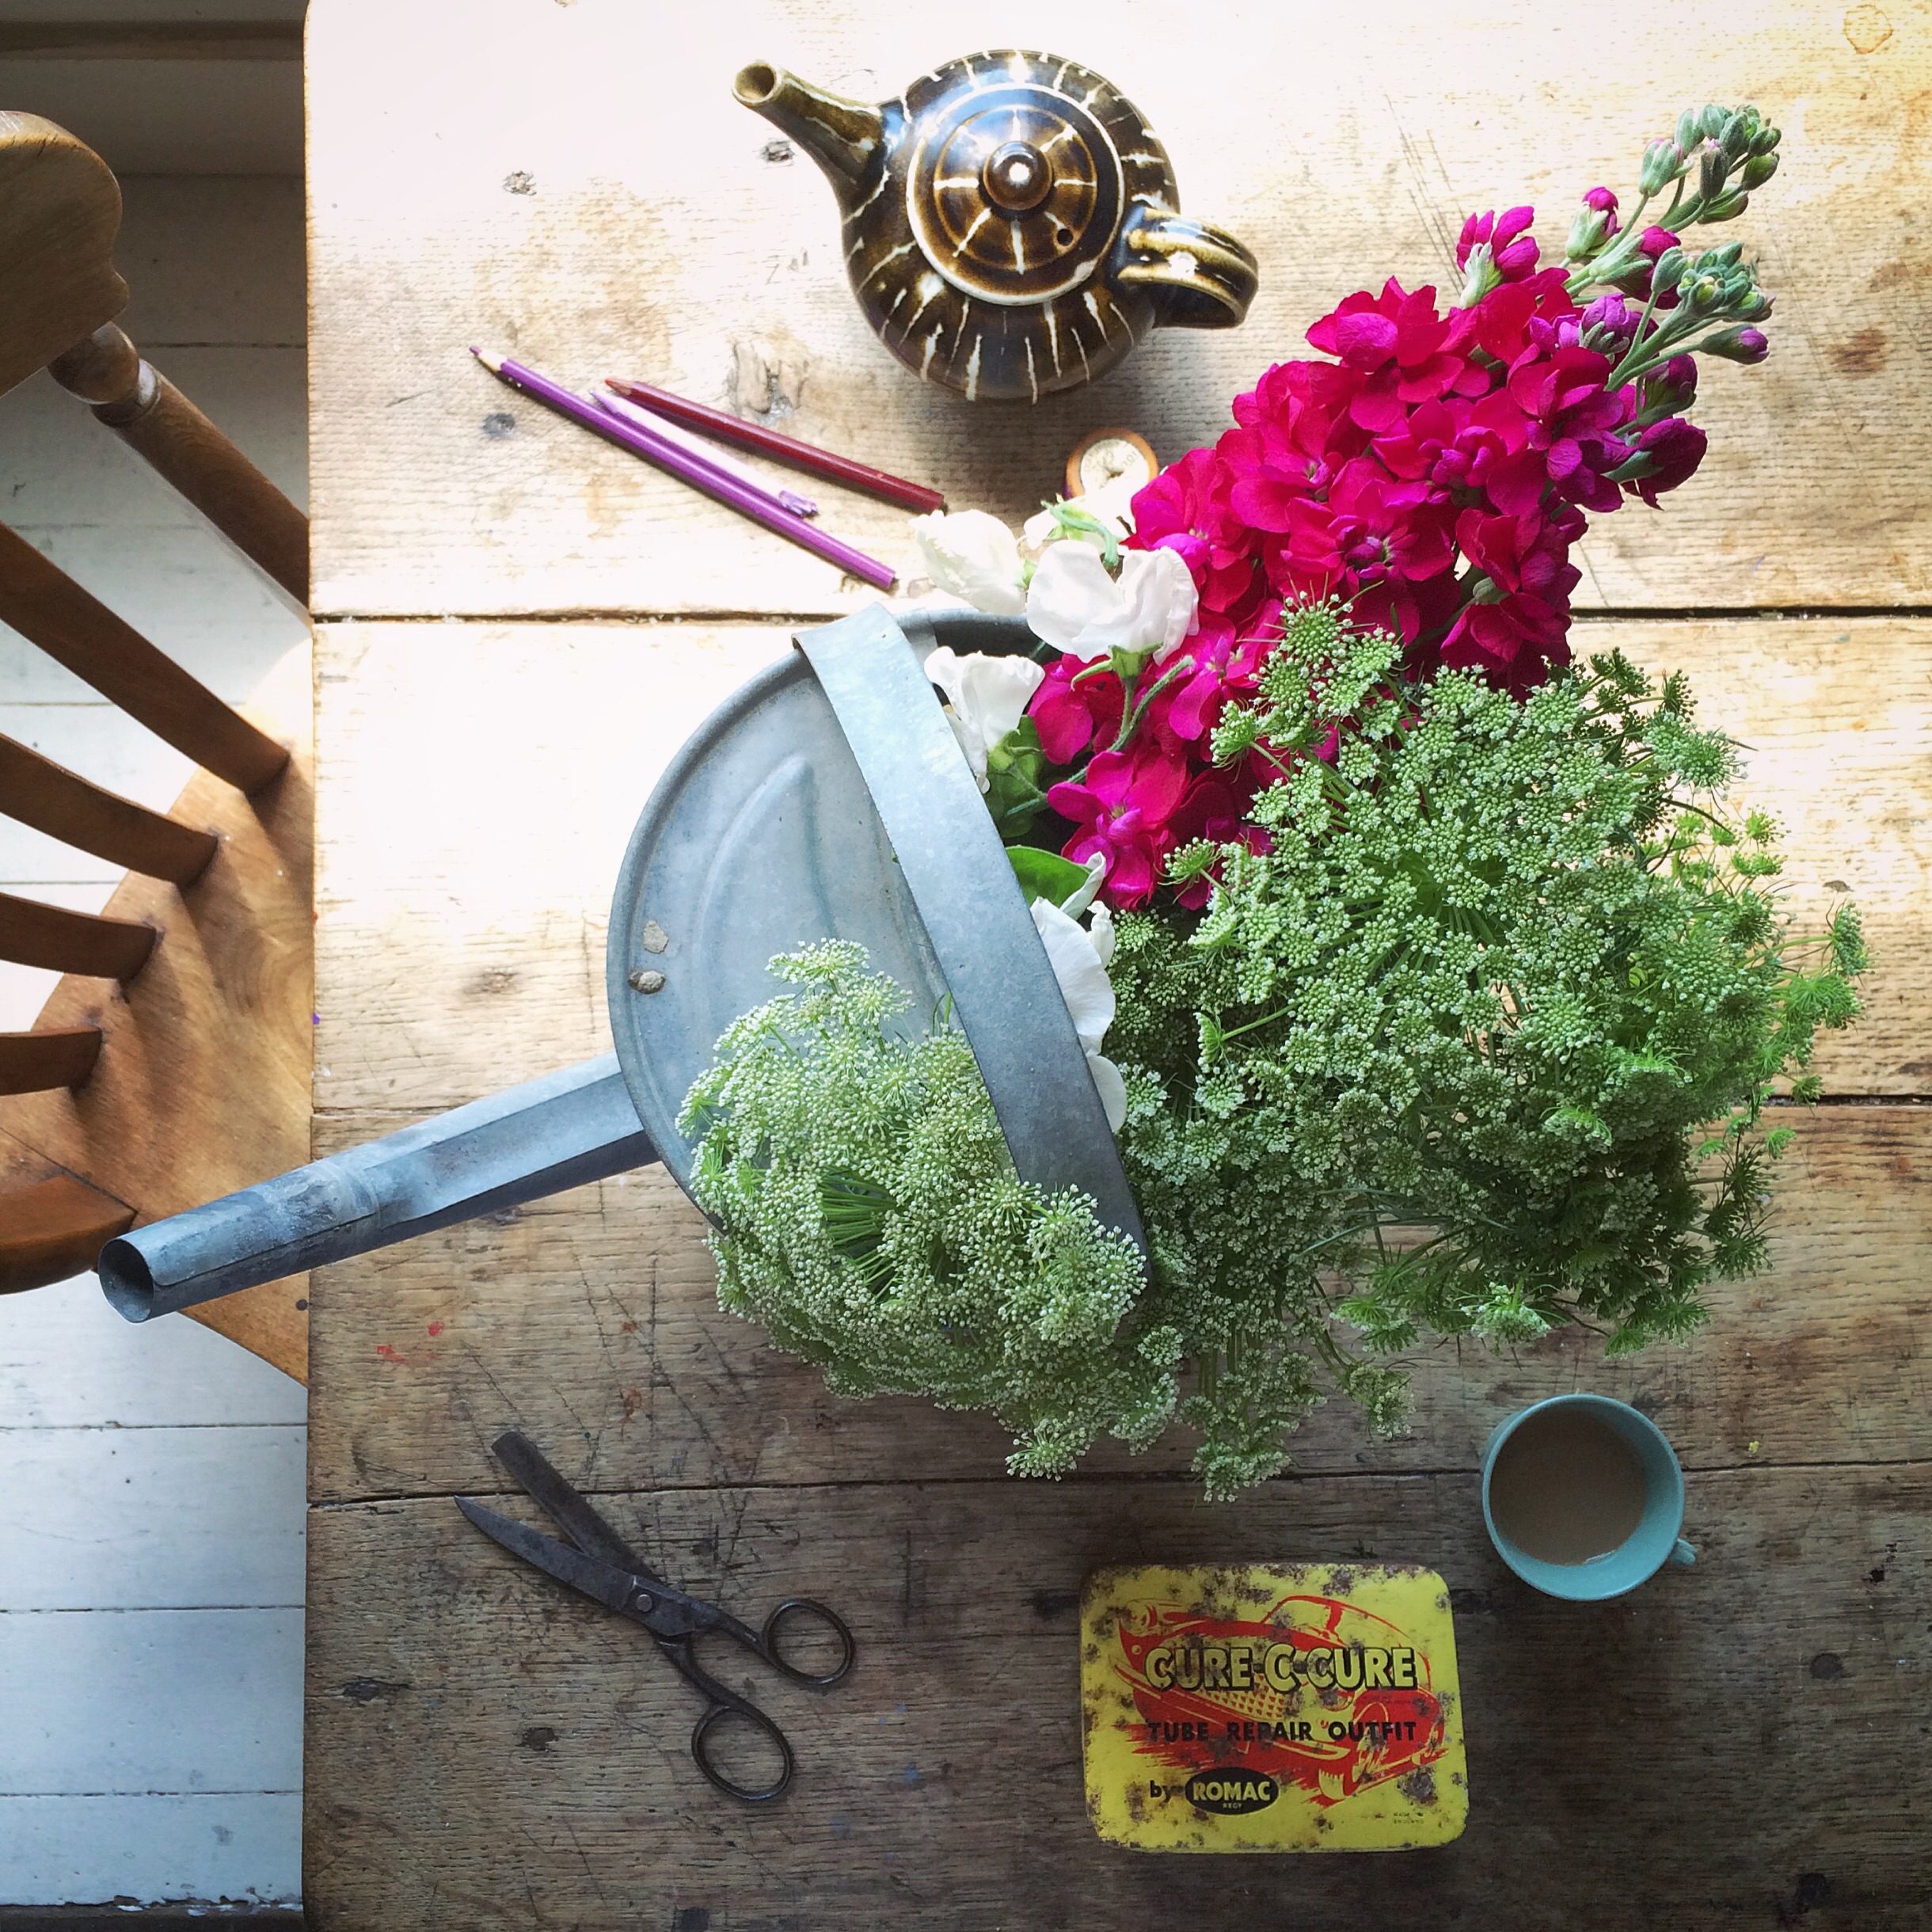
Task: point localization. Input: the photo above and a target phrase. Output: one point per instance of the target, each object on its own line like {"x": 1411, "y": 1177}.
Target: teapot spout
{"x": 842, "y": 136}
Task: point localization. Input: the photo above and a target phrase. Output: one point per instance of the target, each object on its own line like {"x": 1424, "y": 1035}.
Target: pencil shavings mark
{"x": 519, "y": 183}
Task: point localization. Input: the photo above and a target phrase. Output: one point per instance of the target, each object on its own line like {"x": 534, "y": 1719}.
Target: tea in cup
{"x": 1583, "y": 1497}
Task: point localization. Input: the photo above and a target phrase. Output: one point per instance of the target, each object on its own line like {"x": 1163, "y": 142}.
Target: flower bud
{"x": 1703, "y": 295}
{"x": 1738, "y": 345}
{"x": 1766, "y": 140}
{"x": 1669, "y": 270}
{"x": 1663, "y": 161}
{"x": 1670, "y": 391}
{"x": 1712, "y": 172}
{"x": 1725, "y": 257}
{"x": 1753, "y": 306}
{"x": 1728, "y": 206}
{"x": 1674, "y": 448}
{"x": 1589, "y": 230}
{"x": 1758, "y": 169}
{"x": 1713, "y": 121}
{"x": 1736, "y": 138}
{"x": 1689, "y": 131}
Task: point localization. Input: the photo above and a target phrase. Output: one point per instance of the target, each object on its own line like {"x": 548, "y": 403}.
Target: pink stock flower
{"x": 1077, "y": 705}
{"x": 1675, "y": 448}
{"x": 1479, "y": 435}
{"x": 1513, "y": 630}
{"x": 1213, "y": 809}
{"x": 1122, "y": 808}
{"x": 1512, "y": 248}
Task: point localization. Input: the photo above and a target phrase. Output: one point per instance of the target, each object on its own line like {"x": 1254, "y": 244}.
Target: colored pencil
{"x": 701, "y": 476}
{"x": 641, "y": 418}
{"x": 781, "y": 449}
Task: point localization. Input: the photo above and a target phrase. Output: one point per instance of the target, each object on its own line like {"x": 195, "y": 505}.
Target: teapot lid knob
{"x": 1016, "y": 177}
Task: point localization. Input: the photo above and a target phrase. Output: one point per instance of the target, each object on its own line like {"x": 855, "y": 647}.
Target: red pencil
{"x": 788, "y": 450}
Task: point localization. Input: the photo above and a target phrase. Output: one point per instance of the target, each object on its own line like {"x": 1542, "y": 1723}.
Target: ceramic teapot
{"x": 1011, "y": 224}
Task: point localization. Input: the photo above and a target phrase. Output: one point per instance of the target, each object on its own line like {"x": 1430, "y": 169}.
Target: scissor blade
{"x": 562, "y": 1504}
{"x": 608, "y": 1585}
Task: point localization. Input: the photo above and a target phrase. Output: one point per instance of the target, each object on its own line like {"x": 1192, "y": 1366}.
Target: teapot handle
{"x": 1198, "y": 276}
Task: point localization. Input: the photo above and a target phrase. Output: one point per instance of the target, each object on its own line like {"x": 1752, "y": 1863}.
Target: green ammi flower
{"x": 1480, "y": 1046}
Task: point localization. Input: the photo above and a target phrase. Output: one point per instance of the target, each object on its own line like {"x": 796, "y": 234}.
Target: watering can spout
{"x": 557, "y": 1133}
{"x": 843, "y": 136}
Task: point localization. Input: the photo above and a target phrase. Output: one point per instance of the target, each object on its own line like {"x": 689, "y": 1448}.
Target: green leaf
{"x": 1045, "y": 875}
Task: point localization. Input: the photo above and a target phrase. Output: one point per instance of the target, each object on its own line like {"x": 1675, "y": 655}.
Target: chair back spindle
{"x": 170, "y": 1063}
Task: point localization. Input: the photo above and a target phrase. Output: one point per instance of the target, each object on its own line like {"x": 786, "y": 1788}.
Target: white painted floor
{"x": 151, "y": 1478}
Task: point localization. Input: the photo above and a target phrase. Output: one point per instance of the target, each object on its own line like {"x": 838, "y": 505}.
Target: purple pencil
{"x": 707, "y": 453}
{"x": 700, "y": 475}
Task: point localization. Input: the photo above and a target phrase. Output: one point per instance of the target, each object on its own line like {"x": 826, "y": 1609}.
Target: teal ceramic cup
{"x": 1654, "y": 1542}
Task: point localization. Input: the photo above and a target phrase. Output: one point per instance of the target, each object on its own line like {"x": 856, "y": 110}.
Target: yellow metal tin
{"x": 1276, "y": 1707}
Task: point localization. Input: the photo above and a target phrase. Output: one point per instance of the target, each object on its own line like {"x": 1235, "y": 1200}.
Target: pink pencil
{"x": 641, "y": 418}
{"x": 688, "y": 468}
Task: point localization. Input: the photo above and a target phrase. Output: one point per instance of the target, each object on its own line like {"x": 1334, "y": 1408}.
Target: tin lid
{"x": 1273, "y": 1707}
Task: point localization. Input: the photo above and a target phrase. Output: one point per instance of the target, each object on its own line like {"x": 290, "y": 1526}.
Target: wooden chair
{"x": 170, "y": 1065}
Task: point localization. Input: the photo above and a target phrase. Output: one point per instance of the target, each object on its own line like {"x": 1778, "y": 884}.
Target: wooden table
{"x": 517, "y": 625}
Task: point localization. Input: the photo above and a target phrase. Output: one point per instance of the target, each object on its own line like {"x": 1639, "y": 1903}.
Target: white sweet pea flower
{"x": 972, "y": 555}
{"x": 986, "y": 698}
{"x": 1075, "y": 605}
{"x": 1079, "y": 965}
{"x": 1112, "y": 506}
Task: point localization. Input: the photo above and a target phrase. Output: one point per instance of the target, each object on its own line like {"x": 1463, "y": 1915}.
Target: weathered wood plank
{"x": 591, "y": 1321}
{"x": 479, "y": 783}
{"x": 655, "y": 228}
{"x": 1729, "y": 1746}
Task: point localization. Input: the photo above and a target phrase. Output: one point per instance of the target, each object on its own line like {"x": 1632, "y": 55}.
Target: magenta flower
{"x": 1076, "y": 705}
{"x": 1122, "y": 810}
{"x": 1675, "y": 448}
{"x": 1514, "y": 629}
{"x": 1512, "y": 249}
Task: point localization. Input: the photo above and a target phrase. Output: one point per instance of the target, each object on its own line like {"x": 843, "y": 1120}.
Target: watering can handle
{"x": 957, "y": 872}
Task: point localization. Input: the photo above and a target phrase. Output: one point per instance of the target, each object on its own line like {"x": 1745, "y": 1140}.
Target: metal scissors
{"x": 598, "y": 1562}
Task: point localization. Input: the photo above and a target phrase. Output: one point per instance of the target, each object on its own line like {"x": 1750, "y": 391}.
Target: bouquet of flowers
{"x": 1441, "y": 982}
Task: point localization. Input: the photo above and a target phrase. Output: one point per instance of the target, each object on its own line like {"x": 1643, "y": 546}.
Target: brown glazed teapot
{"x": 1011, "y": 224}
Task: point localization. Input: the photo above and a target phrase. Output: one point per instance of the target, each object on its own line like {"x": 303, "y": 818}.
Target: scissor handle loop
{"x": 809, "y": 1607}
{"x": 727, "y": 1706}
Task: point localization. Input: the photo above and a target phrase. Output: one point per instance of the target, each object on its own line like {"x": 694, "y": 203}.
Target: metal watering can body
{"x": 826, "y": 798}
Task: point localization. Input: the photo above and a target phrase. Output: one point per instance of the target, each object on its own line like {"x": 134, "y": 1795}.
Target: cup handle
{"x": 1199, "y": 277}
{"x": 1683, "y": 1553}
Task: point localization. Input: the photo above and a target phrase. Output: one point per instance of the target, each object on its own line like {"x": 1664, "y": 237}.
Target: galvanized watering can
{"x": 828, "y": 798}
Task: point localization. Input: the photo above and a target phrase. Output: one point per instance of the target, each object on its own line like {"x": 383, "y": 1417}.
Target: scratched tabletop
{"x": 517, "y": 626}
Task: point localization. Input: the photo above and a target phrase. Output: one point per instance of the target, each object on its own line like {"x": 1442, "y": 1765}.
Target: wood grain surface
{"x": 1739, "y": 1745}
{"x": 1732, "y": 1745}
{"x": 576, "y": 186}
{"x": 591, "y": 1321}
{"x": 465, "y": 872}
